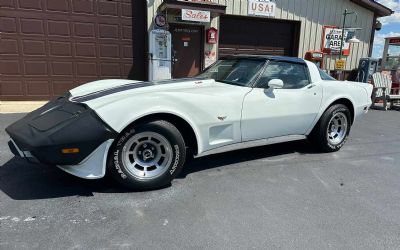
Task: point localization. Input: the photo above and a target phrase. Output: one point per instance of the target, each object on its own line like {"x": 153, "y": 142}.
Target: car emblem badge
{"x": 222, "y": 118}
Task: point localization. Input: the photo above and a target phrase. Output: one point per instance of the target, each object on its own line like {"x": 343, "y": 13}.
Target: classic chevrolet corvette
{"x": 142, "y": 132}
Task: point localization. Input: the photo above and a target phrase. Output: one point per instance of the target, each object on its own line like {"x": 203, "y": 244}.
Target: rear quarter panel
{"x": 335, "y": 90}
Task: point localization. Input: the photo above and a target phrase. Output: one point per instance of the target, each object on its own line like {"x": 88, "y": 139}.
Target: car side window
{"x": 325, "y": 76}
{"x": 293, "y": 75}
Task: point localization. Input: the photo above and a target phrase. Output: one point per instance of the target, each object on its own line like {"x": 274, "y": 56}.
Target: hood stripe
{"x": 125, "y": 87}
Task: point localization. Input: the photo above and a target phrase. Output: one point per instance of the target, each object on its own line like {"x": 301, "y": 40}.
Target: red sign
{"x": 212, "y": 36}
{"x": 394, "y": 41}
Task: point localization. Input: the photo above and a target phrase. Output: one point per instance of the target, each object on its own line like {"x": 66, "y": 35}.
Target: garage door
{"x": 50, "y": 46}
{"x": 258, "y": 36}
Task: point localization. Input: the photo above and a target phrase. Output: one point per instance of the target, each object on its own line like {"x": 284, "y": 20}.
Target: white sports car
{"x": 142, "y": 132}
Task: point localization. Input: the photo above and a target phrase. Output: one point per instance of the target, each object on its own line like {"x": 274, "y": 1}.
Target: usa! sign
{"x": 261, "y": 8}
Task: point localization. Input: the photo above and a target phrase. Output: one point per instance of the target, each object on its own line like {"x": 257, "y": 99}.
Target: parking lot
{"x": 284, "y": 196}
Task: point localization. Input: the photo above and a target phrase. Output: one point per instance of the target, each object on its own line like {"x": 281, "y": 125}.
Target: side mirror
{"x": 275, "y": 84}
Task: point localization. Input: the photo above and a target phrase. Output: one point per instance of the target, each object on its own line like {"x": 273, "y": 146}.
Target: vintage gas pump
{"x": 366, "y": 68}
{"x": 159, "y": 55}
{"x": 316, "y": 57}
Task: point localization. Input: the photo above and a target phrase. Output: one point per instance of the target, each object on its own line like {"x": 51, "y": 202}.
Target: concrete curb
{"x": 10, "y": 107}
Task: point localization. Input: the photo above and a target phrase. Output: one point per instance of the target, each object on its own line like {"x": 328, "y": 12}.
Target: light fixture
{"x": 378, "y": 25}
{"x": 354, "y": 39}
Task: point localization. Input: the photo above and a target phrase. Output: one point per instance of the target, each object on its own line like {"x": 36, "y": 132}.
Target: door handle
{"x": 311, "y": 86}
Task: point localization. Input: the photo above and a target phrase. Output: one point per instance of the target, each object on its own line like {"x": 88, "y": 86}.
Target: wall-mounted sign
{"x": 332, "y": 41}
{"x": 261, "y": 8}
{"x": 210, "y": 57}
{"x": 340, "y": 64}
{"x": 196, "y": 16}
{"x": 160, "y": 21}
{"x": 212, "y": 35}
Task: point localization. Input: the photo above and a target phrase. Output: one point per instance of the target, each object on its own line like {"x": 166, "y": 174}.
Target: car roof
{"x": 268, "y": 57}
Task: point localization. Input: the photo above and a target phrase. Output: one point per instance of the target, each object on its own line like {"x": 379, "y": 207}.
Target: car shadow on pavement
{"x": 21, "y": 180}
{"x": 248, "y": 154}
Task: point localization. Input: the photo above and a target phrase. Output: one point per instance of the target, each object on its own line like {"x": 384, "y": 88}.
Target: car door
{"x": 291, "y": 110}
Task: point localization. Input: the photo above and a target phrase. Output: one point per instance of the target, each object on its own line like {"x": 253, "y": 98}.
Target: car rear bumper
{"x": 42, "y": 135}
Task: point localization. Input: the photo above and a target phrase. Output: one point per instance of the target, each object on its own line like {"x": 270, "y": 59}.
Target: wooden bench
{"x": 383, "y": 90}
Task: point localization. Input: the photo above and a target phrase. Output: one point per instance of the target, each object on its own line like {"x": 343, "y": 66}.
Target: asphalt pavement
{"x": 285, "y": 196}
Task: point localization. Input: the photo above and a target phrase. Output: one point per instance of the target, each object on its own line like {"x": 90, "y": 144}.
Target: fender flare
{"x": 325, "y": 107}
{"x": 187, "y": 119}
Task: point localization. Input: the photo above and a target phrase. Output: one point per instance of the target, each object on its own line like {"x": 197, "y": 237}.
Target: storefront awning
{"x": 214, "y": 8}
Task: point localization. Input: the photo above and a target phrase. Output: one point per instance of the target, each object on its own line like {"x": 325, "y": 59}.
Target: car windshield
{"x": 234, "y": 71}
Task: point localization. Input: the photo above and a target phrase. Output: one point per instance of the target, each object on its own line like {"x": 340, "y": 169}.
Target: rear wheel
{"x": 332, "y": 131}
{"x": 148, "y": 156}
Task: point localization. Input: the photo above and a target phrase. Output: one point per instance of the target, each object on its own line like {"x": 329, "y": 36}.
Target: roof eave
{"x": 380, "y": 10}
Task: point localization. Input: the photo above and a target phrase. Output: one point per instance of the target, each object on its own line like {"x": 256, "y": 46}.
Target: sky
{"x": 391, "y": 27}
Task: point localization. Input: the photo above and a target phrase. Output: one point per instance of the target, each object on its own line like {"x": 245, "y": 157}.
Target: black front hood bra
{"x": 58, "y": 125}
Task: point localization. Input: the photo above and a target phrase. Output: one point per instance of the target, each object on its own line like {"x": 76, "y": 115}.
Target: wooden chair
{"x": 383, "y": 90}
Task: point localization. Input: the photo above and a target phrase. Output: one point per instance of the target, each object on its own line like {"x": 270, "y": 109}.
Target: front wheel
{"x": 332, "y": 130}
{"x": 148, "y": 156}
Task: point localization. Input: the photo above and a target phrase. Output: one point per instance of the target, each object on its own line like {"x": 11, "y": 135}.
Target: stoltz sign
{"x": 261, "y": 8}
{"x": 196, "y": 16}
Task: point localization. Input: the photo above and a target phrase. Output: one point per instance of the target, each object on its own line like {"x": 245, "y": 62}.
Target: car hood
{"x": 105, "y": 91}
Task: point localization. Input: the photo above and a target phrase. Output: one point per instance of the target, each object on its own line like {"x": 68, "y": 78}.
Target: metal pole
{"x": 346, "y": 12}
{"x": 342, "y": 39}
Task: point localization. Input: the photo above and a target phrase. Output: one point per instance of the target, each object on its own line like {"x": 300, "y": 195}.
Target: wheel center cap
{"x": 147, "y": 154}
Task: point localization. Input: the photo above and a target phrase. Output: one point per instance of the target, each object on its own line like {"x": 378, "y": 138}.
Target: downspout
{"x": 371, "y": 41}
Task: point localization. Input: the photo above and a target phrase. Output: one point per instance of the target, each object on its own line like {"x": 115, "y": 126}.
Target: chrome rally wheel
{"x": 147, "y": 155}
{"x": 337, "y": 128}
{"x": 333, "y": 128}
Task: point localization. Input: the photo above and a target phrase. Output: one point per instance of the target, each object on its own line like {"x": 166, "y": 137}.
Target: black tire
{"x": 121, "y": 172}
{"x": 319, "y": 135}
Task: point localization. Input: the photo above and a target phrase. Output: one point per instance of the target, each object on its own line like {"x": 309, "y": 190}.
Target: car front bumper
{"x": 42, "y": 135}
